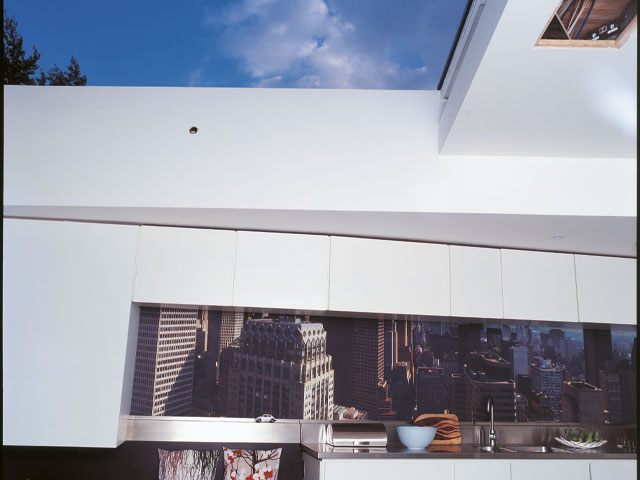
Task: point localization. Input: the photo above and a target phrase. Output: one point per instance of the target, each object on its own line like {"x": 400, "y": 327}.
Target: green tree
{"x": 18, "y": 69}
{"x": 55, "y": 76}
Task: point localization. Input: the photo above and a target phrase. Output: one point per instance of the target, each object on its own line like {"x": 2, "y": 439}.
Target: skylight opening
{"x": 249, "y": 43}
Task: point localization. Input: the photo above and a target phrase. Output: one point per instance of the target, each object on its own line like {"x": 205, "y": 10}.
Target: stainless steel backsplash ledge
{"x": 237, "y": 430}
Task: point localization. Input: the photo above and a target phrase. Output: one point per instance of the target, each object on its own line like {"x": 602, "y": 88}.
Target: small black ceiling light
{"x": 193, "y": 130}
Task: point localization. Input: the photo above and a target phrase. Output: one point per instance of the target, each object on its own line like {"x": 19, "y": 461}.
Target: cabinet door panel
{"x": 387, "y": 469}
{"x": 476, "y": 282}
{"x": 66, "y": 332}
{"x": 280, "y": 270}
{"x": 550, "y": 470}
{"x": 482, "y": 470}
{"x": 539, "y": 286}
{"x": 389, "y": 277}
{"x": 606, "y": 289}
{"x": 192, "y": 266}
{"x": 614, "y": 469}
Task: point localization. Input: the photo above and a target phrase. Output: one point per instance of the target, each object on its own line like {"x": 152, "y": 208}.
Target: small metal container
{"x": 356, "y": 434}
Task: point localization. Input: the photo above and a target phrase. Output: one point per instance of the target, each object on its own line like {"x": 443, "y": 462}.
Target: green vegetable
{"x": 589, "y": 437}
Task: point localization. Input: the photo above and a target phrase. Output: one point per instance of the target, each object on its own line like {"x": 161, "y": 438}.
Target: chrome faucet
{"x": 492, "y": 431}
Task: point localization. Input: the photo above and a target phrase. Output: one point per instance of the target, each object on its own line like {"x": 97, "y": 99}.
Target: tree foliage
{"x": 18, "y": 69}
{"x": 55, "y": 76}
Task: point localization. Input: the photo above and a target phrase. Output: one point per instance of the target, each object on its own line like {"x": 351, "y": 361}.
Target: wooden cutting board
{"x": 447, "y": 427}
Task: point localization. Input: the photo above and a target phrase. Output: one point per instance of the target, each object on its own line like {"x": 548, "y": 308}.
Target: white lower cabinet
{"x": 482, "y": 470}
{"x": 614, "y": 469}
{"x": 550, "y": 470}
{"x": 348, "y": 469}
{"x": 468, "y": 469}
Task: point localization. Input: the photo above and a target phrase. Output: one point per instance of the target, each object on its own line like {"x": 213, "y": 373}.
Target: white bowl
{"x": 416, "y": 437}
{"x": 573, "y": 444}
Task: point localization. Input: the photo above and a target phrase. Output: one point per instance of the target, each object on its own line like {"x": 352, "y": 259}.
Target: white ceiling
{"x": 557, "y": 102}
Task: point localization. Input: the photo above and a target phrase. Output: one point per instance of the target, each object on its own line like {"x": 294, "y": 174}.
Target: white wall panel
{"x": 606, "y": 289}
{"x": 476, "y": 282}
{"x": 185, "y": 265}
{"x": 539, "y": 286}
{"x": 389, "y": 277}
{"x": 66, "y": 315}
{"x": 279, "y": 270}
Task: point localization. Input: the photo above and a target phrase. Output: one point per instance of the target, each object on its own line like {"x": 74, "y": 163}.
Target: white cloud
{"x": 303, "y": 43}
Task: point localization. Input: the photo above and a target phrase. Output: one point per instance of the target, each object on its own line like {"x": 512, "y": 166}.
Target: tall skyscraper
{"x": 521, "y": 405}
{"x": 496, "y": 367}
{"x": 519, "y": 359}
{"x": 430, "y": 390}
{"x": 365, "y": 384}
{"x": 494, "y": 335}
{"x": 628, "y": 389}
{"x": 163, "y": 375}
{"x": 597, "y": 350}
{"x": 582, "y": 403}
{"x": 612, "y": 390}
{"x": 224, "y": 327}
{"x": 556, "y": 337}
{"x": 539, "y": 408}
{"x": 547, "y": 378}
{"x": 523, "y": 385}
{"x": 480, "y": 387}
{"x": 468, "y": 340}
{"x": 390, "y": 347}
{"x": 405, "y": 342}
{"x": 458, "y": 405}
{"x": 279, "y": 367}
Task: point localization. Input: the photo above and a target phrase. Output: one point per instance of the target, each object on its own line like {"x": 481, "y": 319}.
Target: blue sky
{"x": 386, "y": 44}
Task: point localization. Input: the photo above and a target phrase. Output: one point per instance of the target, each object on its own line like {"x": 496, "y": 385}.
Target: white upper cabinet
{"x": 185, "y": 266}
{"x": 389, "y": 277}
{"x": 539, "y": 286}
{"x": 606, "y": 289}
{"x": 66, "y": 317}
{"x": 476, "y": 282}
{"x": 277, "y": 270}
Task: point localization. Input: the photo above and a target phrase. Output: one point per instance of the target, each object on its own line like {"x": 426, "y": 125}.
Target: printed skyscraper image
{"x": 280, "y": 367}
{"x": 207, "y": 361}
{"x": 163, "y": 378}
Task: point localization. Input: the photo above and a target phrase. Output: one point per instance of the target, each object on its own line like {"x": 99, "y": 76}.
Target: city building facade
{"x": 280, "y": 367}
{"x": 163, "y": 375}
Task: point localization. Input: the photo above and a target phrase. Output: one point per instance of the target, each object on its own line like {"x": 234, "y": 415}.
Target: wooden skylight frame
{"x": 568, "y": 21}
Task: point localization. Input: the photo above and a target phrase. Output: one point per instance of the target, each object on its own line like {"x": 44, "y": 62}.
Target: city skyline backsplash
{"x": 194, "y": 361}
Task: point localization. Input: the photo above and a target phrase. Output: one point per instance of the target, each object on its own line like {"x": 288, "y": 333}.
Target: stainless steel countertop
{"x": 323, "y": 451}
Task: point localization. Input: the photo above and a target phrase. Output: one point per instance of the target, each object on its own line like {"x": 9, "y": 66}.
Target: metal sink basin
{"x": 519, "y": 449}
{"x": 525, "y": 449}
